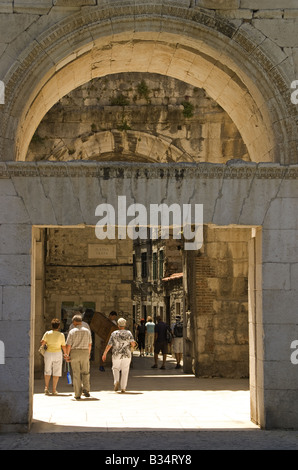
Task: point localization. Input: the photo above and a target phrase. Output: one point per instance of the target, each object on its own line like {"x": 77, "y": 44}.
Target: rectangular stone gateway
{"x": 260, "y": 198}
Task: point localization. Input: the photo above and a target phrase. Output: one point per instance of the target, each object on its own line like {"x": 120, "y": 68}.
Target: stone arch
{"x": 189, "y": 44}
{"x": 138, "y": 145}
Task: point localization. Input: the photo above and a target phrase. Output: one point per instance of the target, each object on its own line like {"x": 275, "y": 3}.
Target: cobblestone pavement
{"x": 162, "y": 410}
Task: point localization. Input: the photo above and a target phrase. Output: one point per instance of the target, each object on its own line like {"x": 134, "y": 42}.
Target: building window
{"x": 144, "y": 264}
{"x": 178, "y": 308}
{"x": 154, "y": 266}
{"x": 161, "y": 264}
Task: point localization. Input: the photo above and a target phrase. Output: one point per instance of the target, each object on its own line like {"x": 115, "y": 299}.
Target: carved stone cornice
{"x": 176, "y": 171}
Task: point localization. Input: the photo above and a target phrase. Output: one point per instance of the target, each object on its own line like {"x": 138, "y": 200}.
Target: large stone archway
{"x": 192, "y": 45}
{"x": 246, "y": 74}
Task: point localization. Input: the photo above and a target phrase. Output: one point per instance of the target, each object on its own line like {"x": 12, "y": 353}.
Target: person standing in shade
{"x": 160, "y": 342}
{"x": 141, "y": 332}
{"x": 149, "y": 336}
{"x": 78, "y": 345}
{"x": 121, "y": 342}
{"x": 177, "y": 344}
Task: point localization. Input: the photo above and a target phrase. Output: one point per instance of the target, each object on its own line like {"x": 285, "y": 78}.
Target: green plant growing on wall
{"x": 119, "y": 100}
{"x": 188, "y": 109}
{"x": 144, "y": 91}
{"x": 124, "y": 126}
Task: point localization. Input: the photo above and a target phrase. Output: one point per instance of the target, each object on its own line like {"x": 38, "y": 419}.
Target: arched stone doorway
{"x": 191, "y": 45}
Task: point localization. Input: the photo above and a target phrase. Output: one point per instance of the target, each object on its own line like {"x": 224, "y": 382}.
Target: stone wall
{"x": 137, "y": 117}
{"x": 80, "y": 266}
{"x": 222, "y": 303}
{"x": 257, "y": 195}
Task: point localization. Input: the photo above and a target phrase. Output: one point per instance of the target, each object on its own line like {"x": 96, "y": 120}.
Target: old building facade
{"x": 238, "y": 159}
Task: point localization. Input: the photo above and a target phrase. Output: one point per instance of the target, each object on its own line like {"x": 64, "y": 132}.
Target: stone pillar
{"x": 256, "y": 353}
{"x": 280, "y": 307}
{"x": 15, "y": 309}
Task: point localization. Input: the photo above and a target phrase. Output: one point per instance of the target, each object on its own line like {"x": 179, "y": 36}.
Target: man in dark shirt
{"x": 160, "y": 342}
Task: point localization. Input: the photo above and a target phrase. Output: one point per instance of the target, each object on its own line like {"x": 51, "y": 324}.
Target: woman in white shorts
{"x": 121, "y": 341}
{"x": 53, "y": 359}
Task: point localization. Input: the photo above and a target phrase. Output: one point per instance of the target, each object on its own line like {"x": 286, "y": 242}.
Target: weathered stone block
{"x": 280, "y": 246}
{"x": 15, "y": 335}
{"x": 281, "y": 375}
{"x": 13, "y": 25}
{"x": 29, "y": 6}
{"x": 6, "y": 6}
{"x": 278, "y": 410}
{"x": 282, "y": 32}
{"x": 38, "y": 205}
{"x": 1, "y": 307}
{"x": 15, "y": 238}
{"x": 281, "y": 214}
{"x": 280, "y": 306}
{"x": 276, "y": 276}
{"x": 7, "y": 188}
{"x": 16, "y": 303}
{"x": 219, "y": 4}
{"x": 14, "y": 374}
{"x": 268, "y": 4}
{"x": 73, "y": 3}
{"x": 12, "y": 210}
{"x": 14, "y": 411}
{"x": 15, "y": 270}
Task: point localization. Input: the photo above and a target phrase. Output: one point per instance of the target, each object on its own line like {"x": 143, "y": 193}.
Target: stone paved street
{"x": 162, "y": 410}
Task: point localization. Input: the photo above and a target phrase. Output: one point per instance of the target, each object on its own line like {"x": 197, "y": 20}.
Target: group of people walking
{"x": 76, "y": 349}
{"x": 155, "y": 339}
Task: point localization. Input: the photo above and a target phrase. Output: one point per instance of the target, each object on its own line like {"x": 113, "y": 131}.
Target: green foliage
{"x": 143, "y": 90}
{"x": 119, "y": 100}
{"x": 124, "y": 126}
{"x": 188, "y": 109}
